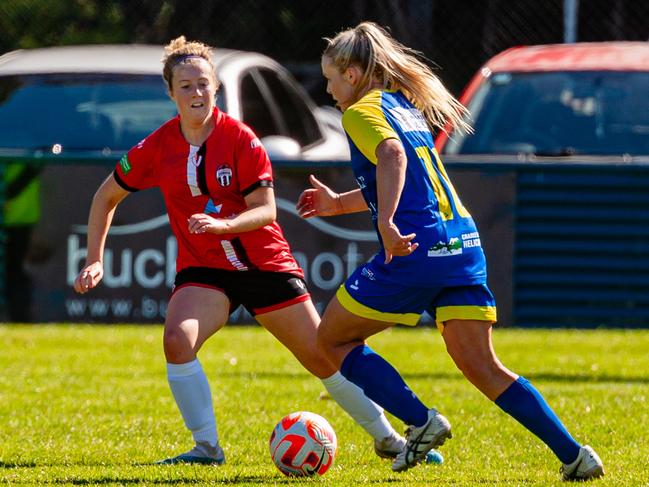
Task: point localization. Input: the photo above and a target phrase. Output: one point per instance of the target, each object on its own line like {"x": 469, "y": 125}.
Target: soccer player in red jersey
{"x": 217, "y": 183}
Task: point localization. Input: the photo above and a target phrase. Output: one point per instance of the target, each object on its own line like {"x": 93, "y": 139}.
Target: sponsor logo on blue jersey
{"x": 445, "y": 249}
{"x": 454, "y": 246}
{"x": 409, "y": 119}
{"x": 471, "y": 240}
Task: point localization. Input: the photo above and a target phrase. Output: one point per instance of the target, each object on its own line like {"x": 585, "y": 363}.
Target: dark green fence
{"x": 582, "y": 246}
{"x": 578, "y": 251}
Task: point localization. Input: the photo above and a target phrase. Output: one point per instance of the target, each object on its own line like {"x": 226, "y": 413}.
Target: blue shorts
{"x": 395, "y": 303}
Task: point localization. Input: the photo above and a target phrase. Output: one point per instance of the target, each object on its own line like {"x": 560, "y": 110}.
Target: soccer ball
{"x": 303, "y": 444}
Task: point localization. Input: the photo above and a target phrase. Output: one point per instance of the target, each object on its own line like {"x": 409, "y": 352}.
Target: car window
{"x": 298, "y": 118}
{"x": 255, "y": 110}
{"x": 221, "y": 96}
{"x": 559, "y": 113}
{"x": 94, "y": 112}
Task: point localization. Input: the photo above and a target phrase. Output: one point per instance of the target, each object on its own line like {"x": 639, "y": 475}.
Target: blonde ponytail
{"x": 383, "y": 59}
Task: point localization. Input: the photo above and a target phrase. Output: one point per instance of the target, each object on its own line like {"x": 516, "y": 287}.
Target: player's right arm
{"x": 321, "y": 200}
{"x": 106, "y": 199}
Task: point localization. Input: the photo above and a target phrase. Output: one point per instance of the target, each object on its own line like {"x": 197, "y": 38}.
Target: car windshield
{"x": 558, "y": 114}
{"x": 96, "y": 112}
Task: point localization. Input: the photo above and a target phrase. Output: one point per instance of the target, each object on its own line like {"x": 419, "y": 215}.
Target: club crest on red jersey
{"x": 224, "y": 175}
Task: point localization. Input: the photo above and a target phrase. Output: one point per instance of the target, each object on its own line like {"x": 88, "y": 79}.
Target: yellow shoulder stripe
{"x": 366, "y": 125}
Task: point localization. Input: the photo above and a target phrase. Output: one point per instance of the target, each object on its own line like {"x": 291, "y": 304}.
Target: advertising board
{"x": 140, "y": 254}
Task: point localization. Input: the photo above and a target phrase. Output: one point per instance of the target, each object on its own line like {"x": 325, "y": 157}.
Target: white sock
{"x": 361, "y": 408}
{"x": 192, "y": 393}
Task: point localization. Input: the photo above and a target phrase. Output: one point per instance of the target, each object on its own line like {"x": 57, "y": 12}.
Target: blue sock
{"x": 527, "y": 406}
{"x": 383, "y": 385}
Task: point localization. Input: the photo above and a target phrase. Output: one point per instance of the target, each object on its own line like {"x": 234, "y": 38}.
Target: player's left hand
{"x": 396, "y": 244}
{"x": 202, "y": 223}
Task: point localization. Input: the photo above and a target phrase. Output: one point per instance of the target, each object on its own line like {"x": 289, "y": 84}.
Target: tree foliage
{"x": 457, "y": 35}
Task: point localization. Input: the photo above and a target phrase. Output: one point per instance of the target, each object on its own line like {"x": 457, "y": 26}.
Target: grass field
{"x": 86, "y": 405}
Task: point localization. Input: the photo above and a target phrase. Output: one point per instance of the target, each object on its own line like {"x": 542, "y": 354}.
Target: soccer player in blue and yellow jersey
{"x": 431, "y": 258}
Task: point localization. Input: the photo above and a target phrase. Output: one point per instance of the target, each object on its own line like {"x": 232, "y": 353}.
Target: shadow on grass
{"x": 17, "y": 464}
{"x": 589, "y": 378}
{"x": 571, "y": 378}
{"x": 255, "y": 479}
{"x": 307, "y": 376}
{"x": 119, "y": 480}
{"x": 585, "y": 378}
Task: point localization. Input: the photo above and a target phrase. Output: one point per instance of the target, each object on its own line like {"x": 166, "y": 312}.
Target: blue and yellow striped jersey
{"x": 450, "y": 251}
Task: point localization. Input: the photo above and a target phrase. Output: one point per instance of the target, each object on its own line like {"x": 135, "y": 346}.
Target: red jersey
{"x": 211, "y": 179}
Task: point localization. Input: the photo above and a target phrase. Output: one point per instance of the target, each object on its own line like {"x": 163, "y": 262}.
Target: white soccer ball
{"x": 303, "y": 444}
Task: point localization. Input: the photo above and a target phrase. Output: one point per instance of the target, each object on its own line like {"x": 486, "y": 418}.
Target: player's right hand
{"x": 89, "y": 277}
{"x": 318, "y": 201}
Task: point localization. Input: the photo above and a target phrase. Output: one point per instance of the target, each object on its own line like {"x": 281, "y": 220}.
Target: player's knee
{"x": 314, "y": 360}
{"x": 175, "y": 342}
{"x": 478, "y": 370}
{"x": 333, "y": 349}
{"x": 465, "y": 364}
{"x": 461, "y": 356}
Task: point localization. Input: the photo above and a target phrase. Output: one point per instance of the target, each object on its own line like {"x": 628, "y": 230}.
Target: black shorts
{"x": 258, "y": 291}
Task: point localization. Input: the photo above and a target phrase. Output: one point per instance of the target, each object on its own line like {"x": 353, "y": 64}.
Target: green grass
{"x": 87, "y": 405}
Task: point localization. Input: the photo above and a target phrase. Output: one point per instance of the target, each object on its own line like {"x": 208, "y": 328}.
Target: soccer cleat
{"x": 421, "y": 439}
{"x": 390, "y": 446}
{"x": 587, "y": 466}
{"x": 203, "y": 453}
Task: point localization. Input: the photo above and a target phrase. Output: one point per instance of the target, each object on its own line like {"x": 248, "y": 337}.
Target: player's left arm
{"x": 390, "y": 179}
{"x": 260, "y": 211}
